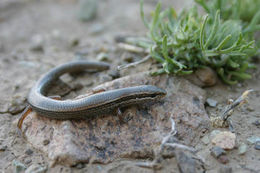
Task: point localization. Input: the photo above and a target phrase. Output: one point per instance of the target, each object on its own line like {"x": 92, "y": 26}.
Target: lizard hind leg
{"x": 24, "y": 114}
{"x": 28, "y": 110}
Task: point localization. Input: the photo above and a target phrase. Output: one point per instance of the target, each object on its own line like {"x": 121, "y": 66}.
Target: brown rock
{"x": 225, "y": 140}
{"x": 203, "y": 77}
{"x": 223, "y": 159}
{"x": 207, "y": 76}
{"x": 105, "y": 138}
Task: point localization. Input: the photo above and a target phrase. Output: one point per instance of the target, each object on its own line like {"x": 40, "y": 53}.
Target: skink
{"x": 88, "y": 106}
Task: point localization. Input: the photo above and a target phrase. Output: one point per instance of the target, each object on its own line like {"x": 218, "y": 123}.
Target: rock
{"x": 253, "y": 139}
{"x": 60, "y": 88}
{"x": 103, "y": 57}
{"x": 187, "y": 163}
{"x": 56, "y": 34}
{"x": 257, "y": 145}
{"x": 104, "y": 138}
{"x": 46, "y": 142}
{"x": 29, "y": 152}
{"x": 205, "y": 140}
{"x": 207, "y": 76}
{"x": 74, "y": 42}
{"x": 29, "y": 64}
{"x": 225, "y": 140}
{"x": 223, "y": 159}
{"x": 250, "y": 109}
{"x": 80, "y": 166}
{"x": 18, "y": 167}
{"x": 17, "y": 104}
{"x": 203, "y": 77}
{"x": 128, "y": 57}
{"x": 37, "y": 43}
{"x": 217, "y": 152}
{"x": 87, "y": 10}
{"x": 114, "y": 74}
{"x": 257, "y": 123}
{"x": 3, "y": 148}
{"x": 242, "y": 149}
{"x": 120, "y": 38}
{"x": 27, "y": 161}
{"x": 225, "y": 169}
{"x": 36, "y": 168}
{"x": 212, "y": 103}
{"x": 96, "y": 28}
{"x": 214, "y": 133}
{"x": 257, "y": 115}
{"x": 76, "y": 86}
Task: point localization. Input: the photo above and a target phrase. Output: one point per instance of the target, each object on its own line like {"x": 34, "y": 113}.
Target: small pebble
{"x": 96, "y": 29}
{"x": 17, "y": 104}
{"x": 128, "y": 58}
{"x": 214, "y": 133}
{"x": 27, "y": 161}
{"x": 212, "y": 103}
{"x": 28, "y": 151}
{"x": 257, "y": 123}
{"x": 87, "y": 83}
{"x": 74, "y": 42}
{"x": 225, "y": 140}
{"x": 87, "y": 9}
{"x": 56, "y": 34}
{"x": 18, "y": 167}
{"x": 120, "y": 38}
{"x": 257, "y": 115}
{"x": 3, "y": 148}
{"x": 205, "y": 140}
{"x": 37, "y": 43}
{"x": 239, "y": 85}
{"x": 217, "y": 152}
{"x": 253, "y": 139}
{"x": 36, "y": 168}
{"x": 28, "y": 64}
{"x": 223, "y": 159}
{"x": 225, "y": 169}
{"x": 80, "y": 166}
{"x": 114, "y": 74}
{"x": 242, "y": 149}
{"x": 77, "y": 86}
{"x": 207, "y": 76}
{"x": 257, "y": 145}
{"x": 105, "y": 78}
{"x": 46, "y": 142}
{"x": 103, "y": 57}
{"x": 250, "y": 109}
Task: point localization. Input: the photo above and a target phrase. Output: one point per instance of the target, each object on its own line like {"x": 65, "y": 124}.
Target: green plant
{"x": 246, "y": 11}
{"x": 185, "y": 42}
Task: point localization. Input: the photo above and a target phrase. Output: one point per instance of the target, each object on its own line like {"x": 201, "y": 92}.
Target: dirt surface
{"x": 38, "y": 35}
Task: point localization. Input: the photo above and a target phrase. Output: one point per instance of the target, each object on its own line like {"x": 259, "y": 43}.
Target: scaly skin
{"x": 89, "y": 106}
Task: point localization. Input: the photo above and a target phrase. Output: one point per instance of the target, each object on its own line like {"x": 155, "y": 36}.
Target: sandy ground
{"x": 26, "y": 24}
